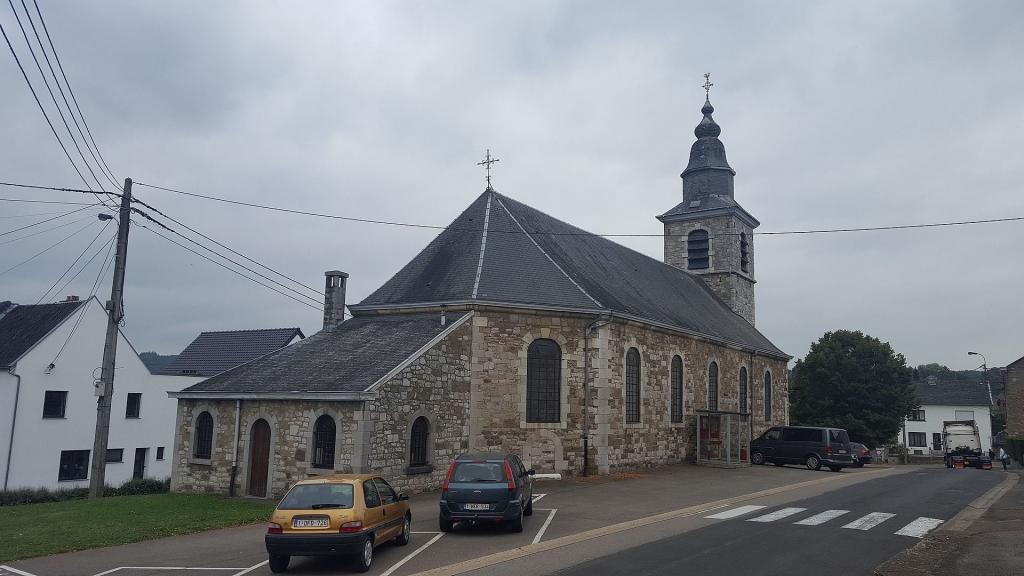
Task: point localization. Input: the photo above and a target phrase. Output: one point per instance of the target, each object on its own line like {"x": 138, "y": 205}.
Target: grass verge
{"x": 57, "y": 527}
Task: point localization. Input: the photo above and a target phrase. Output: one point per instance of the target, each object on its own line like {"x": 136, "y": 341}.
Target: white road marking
{"x": 251, "y": 568}
{"x": 821, "y": 518}
{"x": 433, "y": 532}
{"x": 411, "y": 556}
{"x": 107, "y": 572}
{"x": 544, "y": 527}
{"x": 538, "y": 496}
{"x": 918, "y": 528}
{"x": 15, "y": 570}
{"x": 777, "y": 515}
{"x": 735, "y": 512}
{"x": 244, "y": 570}
{"x": 870, "y": 521}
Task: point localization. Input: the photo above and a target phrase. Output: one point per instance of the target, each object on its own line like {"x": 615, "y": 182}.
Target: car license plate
{"x": 311, "y": 523}
{"x": 842, "y": 451}
{"x": 478, "y": 506}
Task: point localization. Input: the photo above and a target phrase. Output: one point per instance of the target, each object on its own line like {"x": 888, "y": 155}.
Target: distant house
{"x": 946, "y": 400}
{"x": 214, "y": 352}
{"x": 156, "y": 362}
{"x": 50, "y": 357}
{"x": 1014, "y": 390}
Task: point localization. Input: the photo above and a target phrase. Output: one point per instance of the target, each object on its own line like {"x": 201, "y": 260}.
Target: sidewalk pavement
{"x": 993, "y": 544}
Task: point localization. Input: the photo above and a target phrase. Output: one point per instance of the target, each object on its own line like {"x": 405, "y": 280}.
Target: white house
{"x": 946, "y": 400}
{"x": 50, "y": 357}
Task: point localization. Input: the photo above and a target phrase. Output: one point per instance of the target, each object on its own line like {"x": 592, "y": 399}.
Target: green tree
{"x": 853, "y": 381}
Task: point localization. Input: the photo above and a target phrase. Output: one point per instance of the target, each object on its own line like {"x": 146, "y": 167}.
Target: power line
{"x": 47, "y": 230}
{"x": 31, "y": 215}
{"x": 38, "y": 187}
{"x": 88, "y": 300}
{"x": 43, "y": 221}
{"x": 108, "y": 246}
{"x": 52, "y": 246}
{"x": 47, "y": 202}
{"x": 95, "y": 238}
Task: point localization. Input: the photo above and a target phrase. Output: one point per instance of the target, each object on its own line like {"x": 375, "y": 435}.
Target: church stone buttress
{"x": 709, "y": 234}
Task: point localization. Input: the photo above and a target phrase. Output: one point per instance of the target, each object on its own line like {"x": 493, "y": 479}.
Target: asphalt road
{"x": 849, "y": 531}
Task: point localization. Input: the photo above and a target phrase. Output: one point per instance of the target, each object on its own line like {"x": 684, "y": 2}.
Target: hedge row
{"x": 1015, "y": 448}
{"x": 39, "y": 495}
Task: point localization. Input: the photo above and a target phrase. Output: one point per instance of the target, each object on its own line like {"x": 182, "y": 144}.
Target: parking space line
{"x": 544, "y": 527}
{"x": 108, "y": 572}
{"x": 15, "y": 570}
{"x": 411, "y": 556}
{"x": 433, "y": 532}
{"x": 538, "y": 496}
{"x": 251, "y": 568}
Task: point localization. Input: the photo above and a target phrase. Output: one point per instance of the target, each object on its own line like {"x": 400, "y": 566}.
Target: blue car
{"x": 486, "y": 488}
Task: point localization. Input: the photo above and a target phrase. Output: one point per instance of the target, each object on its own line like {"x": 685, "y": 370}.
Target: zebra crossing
{"x": 918, "y": 528}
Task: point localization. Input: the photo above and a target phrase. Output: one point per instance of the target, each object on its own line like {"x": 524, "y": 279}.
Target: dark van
{"x": 486, "y": 488}
{"x": 808, "y": 445}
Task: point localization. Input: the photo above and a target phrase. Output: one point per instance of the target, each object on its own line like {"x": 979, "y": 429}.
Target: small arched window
{"x": 324, "y": 434}
{"x": 713, "y": 386}
{"x": 697, "y": 245}
{"x": 743, "y": 389}
{"x": 677, "y": 389}
{"x": 633, "y": 386}
{"x": 744, "y": 252}
{"x": 767, "y": 396}
{"x": 204, "y": 436}
{"x": 418, "y": 442}
{"x": 543, "y": 381}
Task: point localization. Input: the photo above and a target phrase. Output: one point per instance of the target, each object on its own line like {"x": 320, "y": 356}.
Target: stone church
{"x": 512, "y": 331}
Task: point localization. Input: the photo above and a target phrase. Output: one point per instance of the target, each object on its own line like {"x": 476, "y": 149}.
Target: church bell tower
{"x": 709, "y": 234}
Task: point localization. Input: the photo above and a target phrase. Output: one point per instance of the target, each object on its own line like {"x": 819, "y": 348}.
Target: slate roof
{"x": 530, "y": 258}
{"x": 347, "y": 358}
{"x": 214, "y": 352}
{"x": 952, "y": 393}
{"x": 22, "y": 326}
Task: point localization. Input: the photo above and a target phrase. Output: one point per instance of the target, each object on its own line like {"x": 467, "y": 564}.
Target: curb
{"x": 976, "y": 509}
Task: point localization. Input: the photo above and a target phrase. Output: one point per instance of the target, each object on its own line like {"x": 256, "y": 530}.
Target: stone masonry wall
{"x": 1015, "y": 398}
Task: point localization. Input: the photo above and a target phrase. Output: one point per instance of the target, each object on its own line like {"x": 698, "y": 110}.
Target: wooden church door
{"x": 259, "y": 461}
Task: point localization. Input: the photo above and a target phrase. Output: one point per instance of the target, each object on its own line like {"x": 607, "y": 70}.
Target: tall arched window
{"x": 632, "y": 386}
{"x": 677, "y": 389}
{"x": 324, "y": 434}
{"x": 697, "y": 245}
{"x": 743, "y": 389}
{"x": 744, "y": 252}
{"x": 543, "y": 381}
{"x": 418, "y": 442}
{"x": 204, "y": 436}
{"x": 767, "y": 396}
{"x": 713, "y": 386}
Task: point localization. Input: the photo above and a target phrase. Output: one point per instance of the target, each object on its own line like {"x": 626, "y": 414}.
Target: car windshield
{"x": 839, "y": 436}
{"x": 318, "y": 496}
{"x": 478, "y": 472}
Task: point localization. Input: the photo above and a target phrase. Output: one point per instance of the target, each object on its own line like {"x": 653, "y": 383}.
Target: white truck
{"x": 961, "y": 445}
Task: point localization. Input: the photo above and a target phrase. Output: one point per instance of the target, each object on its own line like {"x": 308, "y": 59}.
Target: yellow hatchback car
{"x": 344, "y": 514}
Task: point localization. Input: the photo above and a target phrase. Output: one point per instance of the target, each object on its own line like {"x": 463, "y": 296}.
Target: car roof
{"x": 482, "y": 456}
{"x": 337, "y": 479}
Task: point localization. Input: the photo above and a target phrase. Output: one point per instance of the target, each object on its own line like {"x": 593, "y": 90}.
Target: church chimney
{"x": 334, "y": 298}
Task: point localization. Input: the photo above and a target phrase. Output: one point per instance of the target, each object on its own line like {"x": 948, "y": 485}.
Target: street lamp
{"x": 984, "y": 365}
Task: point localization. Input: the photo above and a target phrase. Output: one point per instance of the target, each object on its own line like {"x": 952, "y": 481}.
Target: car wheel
{"x": 813, "y": 462}
{"x": 365, "y": 558}
{"x": 528, "y": 511}
{"x": 517, "y": 524}
{"x": 859, "y": 464}
{"x": 278, "y": 564}
{"x": 445, "y": 525}
{"x": 403, "y": 538}
{"x": 835, "y": 468}
{"x": 757, "y": 458}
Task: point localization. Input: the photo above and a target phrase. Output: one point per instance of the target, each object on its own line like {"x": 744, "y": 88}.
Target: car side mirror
{"x": 403, "y": 496}
{"x": 531, "y": 472}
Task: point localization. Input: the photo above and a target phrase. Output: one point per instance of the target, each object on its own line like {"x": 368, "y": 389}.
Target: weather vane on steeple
{"x": 707, "y": 85}
{"x": 487, "y": 165}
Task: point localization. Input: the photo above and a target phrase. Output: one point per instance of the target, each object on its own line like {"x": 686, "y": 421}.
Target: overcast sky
{"x": 834, "y": 115}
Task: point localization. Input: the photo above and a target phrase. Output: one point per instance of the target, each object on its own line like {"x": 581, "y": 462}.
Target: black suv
{"x": 807, "y": 445}
{"x": 486, "y": 488}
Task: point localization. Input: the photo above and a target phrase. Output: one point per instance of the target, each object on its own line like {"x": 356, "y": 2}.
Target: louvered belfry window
{"x": 204, "y": 436}
{"x": 697, "y": 246}
{"x": 743, "y": 389}
{"x": 325, "y": 433}
{"x": 418, "y": 442}
{"x": 632, "y": 386}
{"x": 767, "y": 396}
{"x": 744, "y": 253}
{"x": 713, "y": 386}
{"x": 543, "y": 381}
{"x": 677, "y": 389}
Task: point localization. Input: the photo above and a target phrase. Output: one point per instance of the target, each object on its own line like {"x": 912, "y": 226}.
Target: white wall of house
{"x": 38, "y": 441}
{"x": 935, "y": 415}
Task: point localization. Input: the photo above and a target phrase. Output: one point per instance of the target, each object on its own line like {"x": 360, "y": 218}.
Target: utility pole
{"x": 97, "y": 475}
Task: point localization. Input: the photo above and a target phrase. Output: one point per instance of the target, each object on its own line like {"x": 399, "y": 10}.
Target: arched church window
{"x": 697, "y": 245}
{"x": 713, "y": 386}
{"x": 632, "y": 386}
{"x": 767, "y": 396}
{"x": 677, "y": 389}
{"x": 418, "y": 442}
{"x": 543, "y": 381}
{"x": 744, "y": 252}
{"x": 743, "y": 389}
{"x": 204, "y": 436}
{"x": 324, "y": 435}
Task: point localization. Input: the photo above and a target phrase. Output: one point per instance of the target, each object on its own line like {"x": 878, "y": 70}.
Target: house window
{"x": 767, "y": 396}
{"x": 543, "y": 381}
{"x": 115, "y": 454}
{"x": 324, "y": 435}
{"x": 713, "y": 386}
{"x": 204, "y": 436}
{"x": 54, "y": 404}
{"x": 697, "y": 245}
{"x": 743, "y": 389}
{"x": 917, "y": 439}
{"x": 916, "y": 416}
{"x": 134, "y": 405}
{"x": 74, "y": 465}
{"x": 418, "y": 442}
{"x": 632, "y": 386}
{"x": 160, "y": 453}
{"x": 963, "y": 415}
{"x": 744, "y": 253}
{"x": 677, "y": 389}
